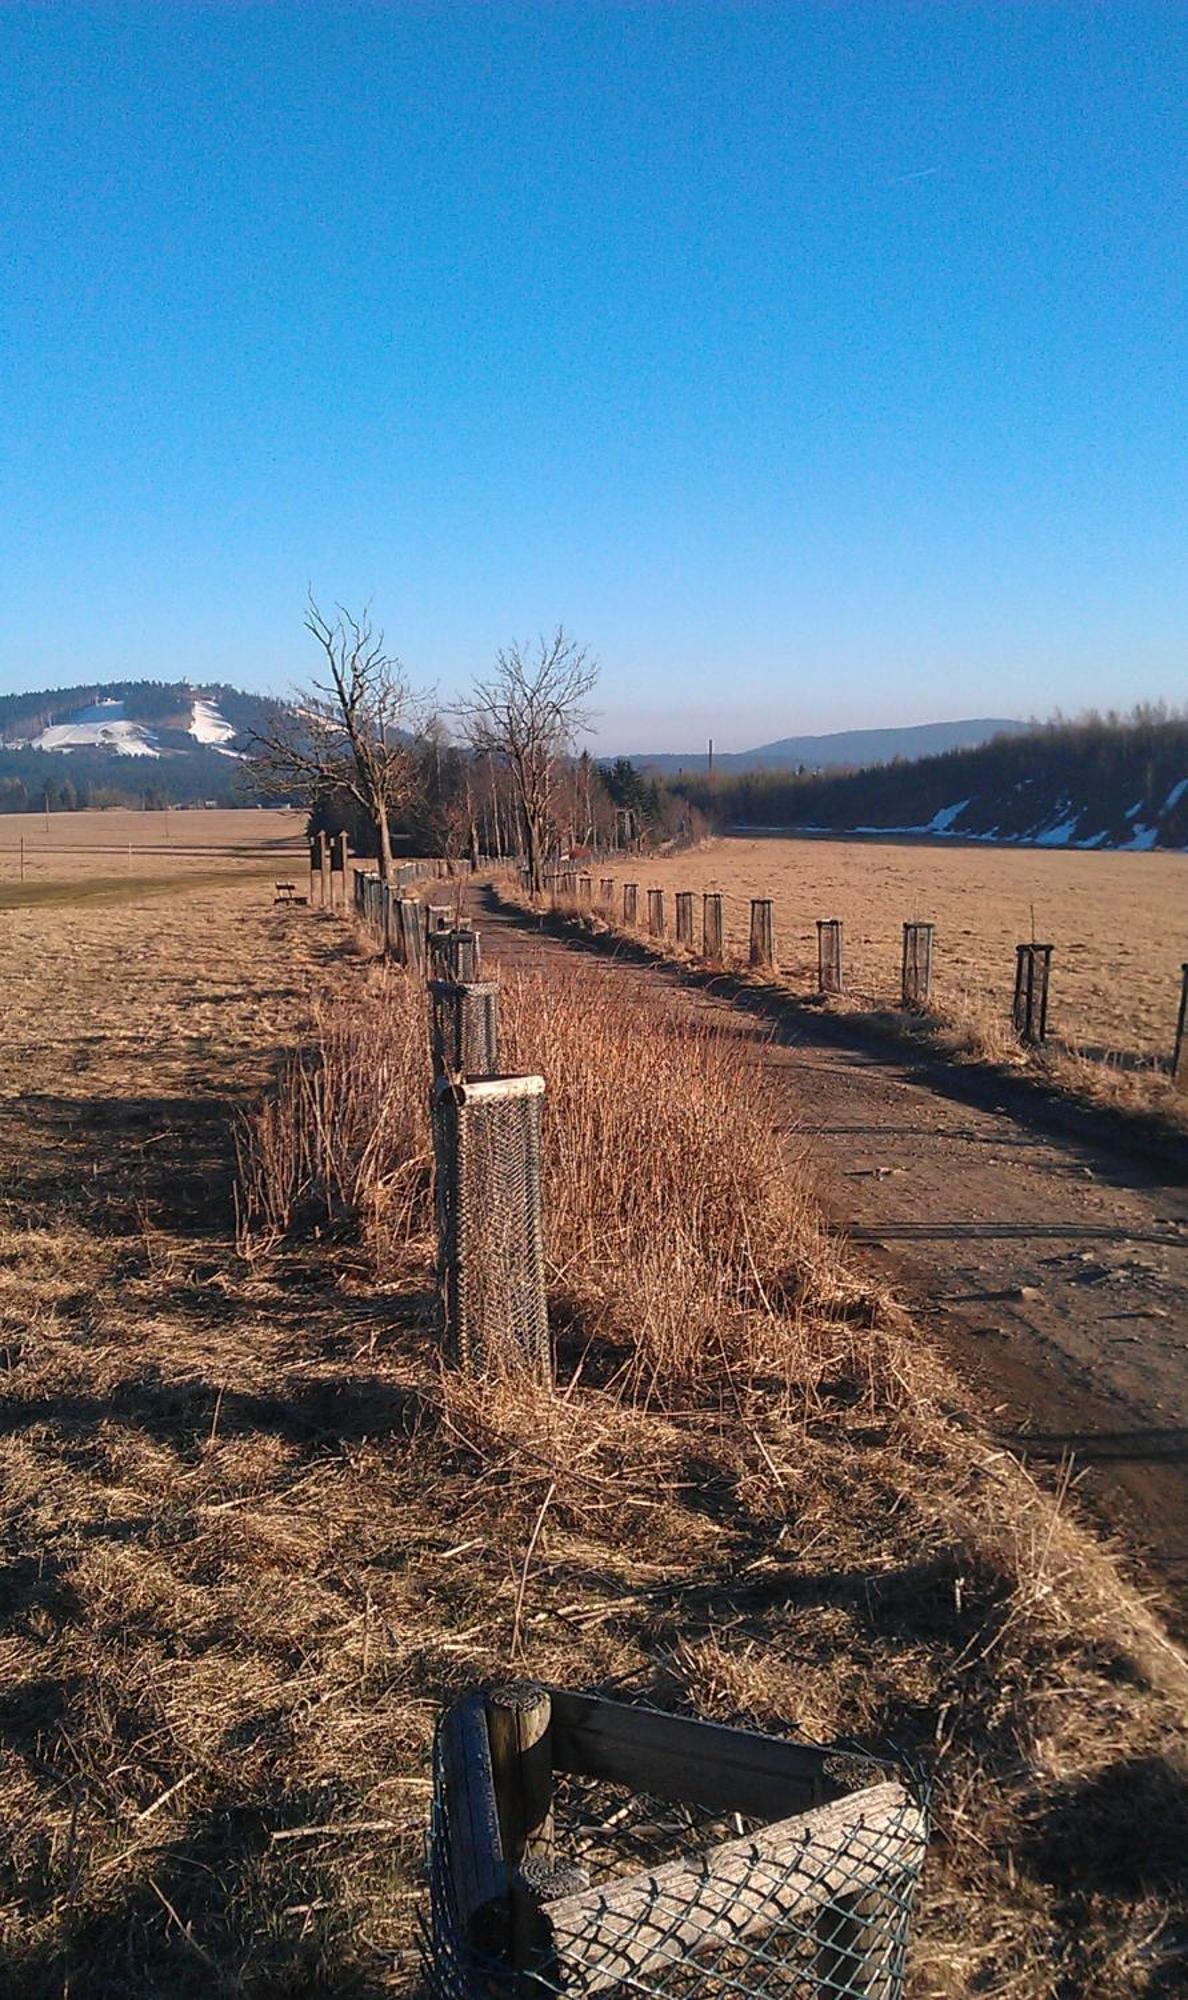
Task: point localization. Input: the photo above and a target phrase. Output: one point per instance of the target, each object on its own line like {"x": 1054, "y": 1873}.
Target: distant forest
{"x": 1102, "y": 780}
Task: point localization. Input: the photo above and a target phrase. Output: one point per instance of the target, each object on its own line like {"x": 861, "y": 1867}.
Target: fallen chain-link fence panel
{"x": 627, "y": 1892}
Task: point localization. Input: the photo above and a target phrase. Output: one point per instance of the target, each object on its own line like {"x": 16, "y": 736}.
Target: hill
{"x": 122, "y": 741}
{"x": 846, "y": 749}
{"x": 1096, "y": 783}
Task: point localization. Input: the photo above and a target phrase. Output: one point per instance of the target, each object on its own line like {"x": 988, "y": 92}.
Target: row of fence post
{"x": 486, "y": 1131}
{"x": 1033, "y": 961}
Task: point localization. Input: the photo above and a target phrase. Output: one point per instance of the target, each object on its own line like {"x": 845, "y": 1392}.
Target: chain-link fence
{"x": 622, "y": 1891}
{"x": 491, "y": 1278}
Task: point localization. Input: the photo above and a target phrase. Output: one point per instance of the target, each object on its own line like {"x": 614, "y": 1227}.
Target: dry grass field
{"x": 87, "y": 848}
{"x": 1119, "y": 923}
{"x": 253, "y": 1535}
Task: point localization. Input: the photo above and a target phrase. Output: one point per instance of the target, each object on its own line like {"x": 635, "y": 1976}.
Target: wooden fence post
{"x": 324, "y": 870}
{"x": 684, "y": 917}
{"x": 631, "y": 902}
{"x": 916, "y": 977}
{"x": 830, "y": 976}
{"x": 656, "y": 912}
{"x": 762, "y": 938}
{"x": 606, "y": 889}
{"x": 711, "y": 927}
{"x": 1033, "y": 965}
{"x": 1179, "y": 1067}
{"x": 464, "y": 1028}
{"x": 313, "y": 870}
{"x": 586, "y": 888}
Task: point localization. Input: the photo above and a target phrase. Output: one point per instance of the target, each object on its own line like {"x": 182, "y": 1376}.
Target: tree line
{"x": 499, "y": 774}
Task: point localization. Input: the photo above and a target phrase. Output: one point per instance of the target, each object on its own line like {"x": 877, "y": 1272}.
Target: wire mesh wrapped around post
{"x": 830, "y": 978}
{"x": 454, "y": 954}
{"x": 1033, "y": 965}
{"x": 916, "y": 982}
{"x": 762, "y": 935}
{"x": 815, "y": 1901}
{"x": 491, "y": 1279}
{"x": 464, "y": 1028}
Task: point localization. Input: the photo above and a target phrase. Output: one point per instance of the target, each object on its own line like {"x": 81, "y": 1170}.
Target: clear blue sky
{"x": 818, "y": 366}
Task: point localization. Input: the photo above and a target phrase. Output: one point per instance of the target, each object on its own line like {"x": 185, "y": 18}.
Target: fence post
{"x": 464, "y": 1027}
{"x": 454, "y": 954}
{"x": 344, "y": 862}
{"x": 684, "y": 917}
{"x": 313, "y": 869}
{"x": 916, "y": 977}
{"x": 1179, "y": 1068}
{"x": 607, "y": 889}
{"x": 491, "y": 1277}
{"x": 586, "y": 888}
{"x": 631, "y": 902}
{"x": 411, "y": 920}
{"x": 324, "y": 869}
{"x": 830, "y": 977}
{"x": 1033, "y": 964}
{"x": 711, "y": 927}
{"x": 762, "y": 939}
{"x": 656, "y": 912}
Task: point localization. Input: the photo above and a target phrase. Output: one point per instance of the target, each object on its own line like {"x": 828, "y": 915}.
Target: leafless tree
{"x": 528, "y": 714}
{"x": 354, "y": 730}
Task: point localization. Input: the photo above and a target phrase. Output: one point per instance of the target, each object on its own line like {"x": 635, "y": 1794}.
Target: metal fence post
{"x": 916, "y": 976}
{"x": 491, "y": 1275}
{"x": 830, "y": 977}
{"x": 1033, "y": 964}
{"x": 684, "y": 917}
{"x": 762, "y": 938}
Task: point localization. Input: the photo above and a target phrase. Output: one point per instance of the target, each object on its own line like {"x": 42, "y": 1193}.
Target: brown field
{"x": 1119, "y": 923}
{"x": 253, "y": 1535}
{"x": 88, "y": 847}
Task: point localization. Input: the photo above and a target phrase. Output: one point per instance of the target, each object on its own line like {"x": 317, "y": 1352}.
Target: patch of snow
{"x": 1141, "y": 840}
{"x": 1175, "y": 795}
{"x": 102, "y": 726}
{"x": 1094, "y": 840}
{"x": 1059, "y": 835}
{"x": 942, "y": 821}
{"x": 209, "y": 727}
{"x": 1132, "y": 812}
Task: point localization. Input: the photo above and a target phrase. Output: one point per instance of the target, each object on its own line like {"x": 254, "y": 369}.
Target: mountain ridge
{"x": 837, "y": 749}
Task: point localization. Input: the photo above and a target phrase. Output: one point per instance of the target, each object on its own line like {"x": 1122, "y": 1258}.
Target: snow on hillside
{"x": 100, "y": 727}
{"x": 209, "y": 727}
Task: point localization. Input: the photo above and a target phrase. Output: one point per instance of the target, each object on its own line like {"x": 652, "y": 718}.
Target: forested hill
{"x": 1097, "y": 783}
{"x": 102, "y": 743}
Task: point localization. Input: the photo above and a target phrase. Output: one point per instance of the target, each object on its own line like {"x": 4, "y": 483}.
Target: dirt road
{"x": 1050, "y": 1265}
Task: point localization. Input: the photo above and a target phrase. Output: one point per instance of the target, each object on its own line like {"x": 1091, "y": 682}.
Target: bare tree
{"x": 354, "y": 730}
{"x": 529, "y": 714}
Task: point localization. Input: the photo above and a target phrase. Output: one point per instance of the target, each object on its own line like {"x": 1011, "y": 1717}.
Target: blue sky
{"x": 818, "y": 366}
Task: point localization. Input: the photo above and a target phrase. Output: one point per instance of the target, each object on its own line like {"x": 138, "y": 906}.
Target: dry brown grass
{"x": 1117, "y": 922}
{"x": 85, "y": 847}
{"x": 253, "y": 1535}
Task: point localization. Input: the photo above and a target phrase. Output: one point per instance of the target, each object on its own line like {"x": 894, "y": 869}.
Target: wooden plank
{"x": 478, "y": 1868}
{"x": 685, "y": 1761}
{"x": 625, "y": 1931}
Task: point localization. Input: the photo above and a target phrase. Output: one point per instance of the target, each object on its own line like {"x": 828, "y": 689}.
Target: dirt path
{"x": 1053, "y": 1269}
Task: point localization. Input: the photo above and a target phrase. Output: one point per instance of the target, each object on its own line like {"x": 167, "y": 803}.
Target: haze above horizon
{"x": 820, "y": 367}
